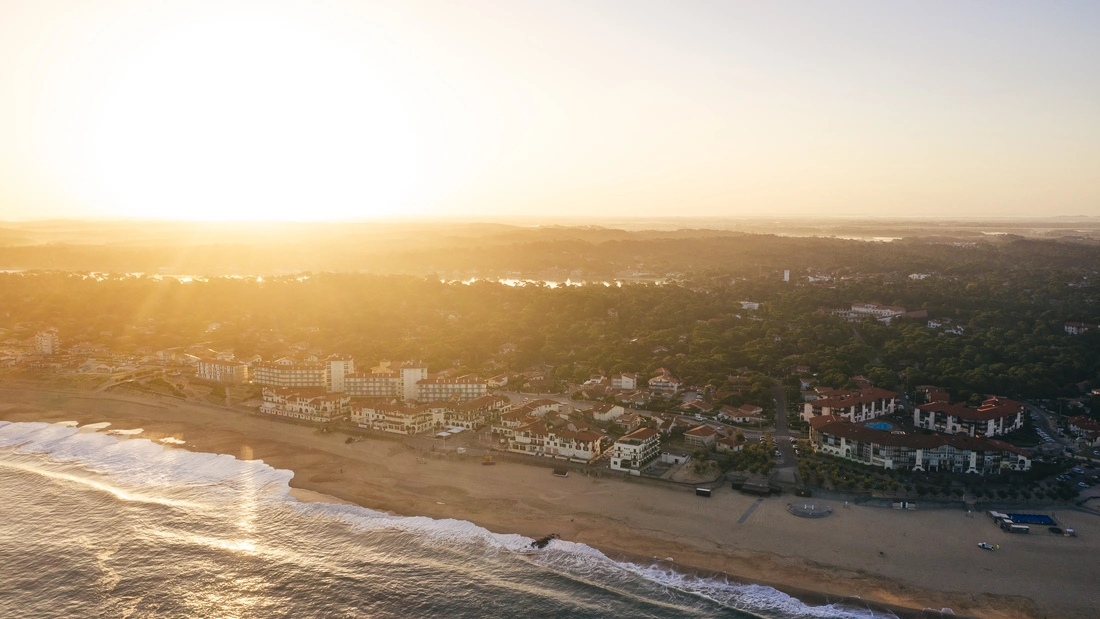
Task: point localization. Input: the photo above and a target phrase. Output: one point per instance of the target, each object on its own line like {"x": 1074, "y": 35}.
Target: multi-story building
{"x": 394, "y": 417}
{"x": 289, "y": 373}
{"x": 473, "y": 414}
{"x": 636, "y": 451}
{"x": 308, "y": 405}
{"x": 336, "y": 368}
{"x": 47, "y": 342}
{"x": 897, "y": 450}
{"x": 538, "y": 439}
{"x": 853, "y": 406}
{"x": 463, "y": 388}
{"x": 626, "y": 382}
{"x": 388, "y": 380}
{"x": 996, "y": 416}
{"x": 221, "y": 371}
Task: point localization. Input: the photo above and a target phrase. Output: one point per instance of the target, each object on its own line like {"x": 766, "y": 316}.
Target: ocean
{"x": 101, "y": 525}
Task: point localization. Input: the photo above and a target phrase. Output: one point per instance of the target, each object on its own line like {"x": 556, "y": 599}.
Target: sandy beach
{"x": 910, "y": 559}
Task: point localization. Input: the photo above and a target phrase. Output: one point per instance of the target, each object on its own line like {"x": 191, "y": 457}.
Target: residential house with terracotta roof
{"x": 1086, "y": 428}
{"x": 728, "y": 444}
{"x": 702, "y": 436}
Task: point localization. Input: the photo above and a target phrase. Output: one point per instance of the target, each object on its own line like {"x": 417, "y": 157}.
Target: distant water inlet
{"x": 111, "y": 525}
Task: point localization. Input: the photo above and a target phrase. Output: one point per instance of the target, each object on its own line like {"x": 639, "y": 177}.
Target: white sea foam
{"x": 142, "y": 463}
{"x": 171, "y": 440}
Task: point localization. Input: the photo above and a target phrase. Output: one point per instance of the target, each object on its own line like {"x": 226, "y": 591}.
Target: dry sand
{"x": 909, "y": 559}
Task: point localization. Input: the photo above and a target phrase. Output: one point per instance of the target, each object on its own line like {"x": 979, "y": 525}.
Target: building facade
{"x": 336, "y": 368}
{"x": 853, "y": 406}
{"x": 463, "y": 388}
{"x": 305, "y": 405}
{"x": 636, "y": 451}
{"x": 538, "y": 439}
{"x": 290, "y": 374}
{"x": 47, "y": 342}
{"x": 995, "y": 417}
{"x": 897, "y": 450}
{"x": 217, "y": 370}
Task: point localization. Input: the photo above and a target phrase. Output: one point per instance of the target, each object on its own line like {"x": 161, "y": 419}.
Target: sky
{"x": 341, "y": 110}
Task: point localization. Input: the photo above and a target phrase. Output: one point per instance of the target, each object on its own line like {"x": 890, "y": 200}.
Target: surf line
{"x": 748, "y": 512}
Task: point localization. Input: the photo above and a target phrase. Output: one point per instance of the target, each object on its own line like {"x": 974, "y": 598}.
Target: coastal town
{"x": 610, "y": 423}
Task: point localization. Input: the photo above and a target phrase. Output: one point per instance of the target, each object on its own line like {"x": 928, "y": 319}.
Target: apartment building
{"x": 394, "y": 417}
{"x": 47, "y": 342}
{"x": 387, "y": 380}
{"x": 996, "y": 416}
{"x": 956, "y": 453}
{"x": 625, "y": 382}
{"x": 336, "y": 368}
{"x": 636, "y": 451}
{"x": 435, "y": 388}
{"x": 853, "y": 406}
{"x": 222, "y": 371}
{"x": 289, "y": 373}
{"x": 307, "y": 405}
{"x": 538, "y": 439}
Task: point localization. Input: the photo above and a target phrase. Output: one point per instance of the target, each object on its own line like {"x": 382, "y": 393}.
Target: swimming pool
{"x": 880, "y": 425}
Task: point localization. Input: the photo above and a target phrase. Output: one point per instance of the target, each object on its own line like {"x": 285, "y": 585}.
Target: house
{"x": 628, "y": 422}
{"x": 933, "y": 393}
{"x": 702, "y": 436}
{"x": 498, "y": 381}
{"x": 1085, "y": 428}
{"x": 1077, "y": 328}
{"x": 606, "y": 412}
{"x": 853, "y": 406}
{"x": 957, "y": 453}
{"x": 664, "y": 383}
{"x": 746, "y": 413}
{"x": 996, "y": 416}
{"x": 636, "y": 451}
{"x": 625, "y": 382}
{"x": 633, "y": 398}
{"x": 728, "y": 444}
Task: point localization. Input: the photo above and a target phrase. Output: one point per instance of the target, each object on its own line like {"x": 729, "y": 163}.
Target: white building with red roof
{"x": 702, "y": 436}
{"x": 853, "y": 406}
{"x": 996, "y": 416}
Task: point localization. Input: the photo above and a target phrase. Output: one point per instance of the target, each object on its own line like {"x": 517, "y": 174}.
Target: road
{"x": 1042, "y": 420}
{"x": 782, "y": 432}
{"x": 518, "y": 399}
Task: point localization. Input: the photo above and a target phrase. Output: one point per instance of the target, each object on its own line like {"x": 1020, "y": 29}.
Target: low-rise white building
{"x": 702, "y": 436}
{"x": 538, "y": 439}
{"x": 626, "y": 382}
{"x": 606, "y": 411}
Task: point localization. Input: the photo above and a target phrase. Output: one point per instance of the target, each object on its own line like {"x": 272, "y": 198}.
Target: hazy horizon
{"x": 298, "y": 111}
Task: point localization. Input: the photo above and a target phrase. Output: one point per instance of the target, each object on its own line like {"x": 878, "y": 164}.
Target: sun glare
{"x": 248, "y": 120}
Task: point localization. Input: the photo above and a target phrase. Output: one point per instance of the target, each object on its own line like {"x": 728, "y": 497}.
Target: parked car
{"x": 1082, "y": 484}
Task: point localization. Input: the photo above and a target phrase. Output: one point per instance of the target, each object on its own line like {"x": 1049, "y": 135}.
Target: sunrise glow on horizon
{"x": 297, "y": 110}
